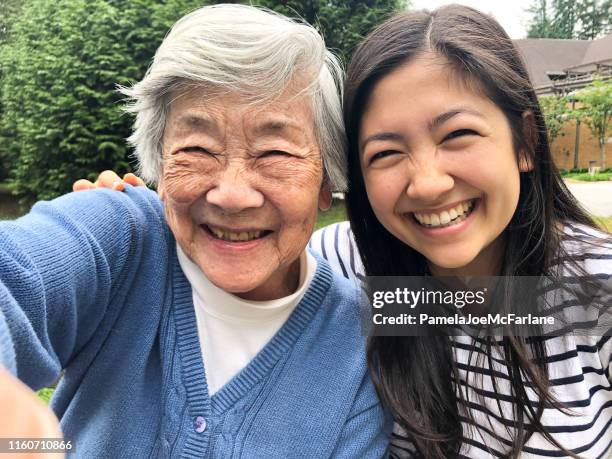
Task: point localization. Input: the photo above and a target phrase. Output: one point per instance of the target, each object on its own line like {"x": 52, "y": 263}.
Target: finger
{"x": 107, "y": 179}
{"x": 82, "y": 184}
{"x": 133, "y": 179}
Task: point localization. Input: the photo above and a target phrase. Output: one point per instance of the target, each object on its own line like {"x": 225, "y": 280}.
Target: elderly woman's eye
{"x": 271, "y": 153}
{"x": 197, "y": 150}
{"x": 459, "y": 133}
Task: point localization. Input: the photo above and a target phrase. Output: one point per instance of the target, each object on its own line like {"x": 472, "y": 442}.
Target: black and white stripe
{"x": 336, "y": 244}
{"x": 580, "y": 369}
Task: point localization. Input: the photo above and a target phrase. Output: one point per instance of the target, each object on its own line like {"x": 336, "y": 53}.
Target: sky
{"x": 511, "y": 14}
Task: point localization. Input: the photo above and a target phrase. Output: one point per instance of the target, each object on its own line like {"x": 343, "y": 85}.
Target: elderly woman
{"x": 202, "y": 327}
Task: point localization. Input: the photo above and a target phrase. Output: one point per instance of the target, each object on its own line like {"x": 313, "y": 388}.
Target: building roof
{"x": 599, "y": 50}
{"x": 544, "y": 57}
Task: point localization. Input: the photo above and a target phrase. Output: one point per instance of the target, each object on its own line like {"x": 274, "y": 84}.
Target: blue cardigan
{"x": 90, "y": 284}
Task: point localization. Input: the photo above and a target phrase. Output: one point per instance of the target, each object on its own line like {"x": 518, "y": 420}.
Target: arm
{"x": 61, "y": 267}
{"x": 367, "y": 432}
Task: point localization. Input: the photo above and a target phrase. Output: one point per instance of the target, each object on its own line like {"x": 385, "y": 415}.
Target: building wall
{"x": 563, "y": 147}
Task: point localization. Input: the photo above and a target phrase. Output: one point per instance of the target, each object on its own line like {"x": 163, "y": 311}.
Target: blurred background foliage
{"x": 60, "y": 62}
{"x": 570, "y": 19}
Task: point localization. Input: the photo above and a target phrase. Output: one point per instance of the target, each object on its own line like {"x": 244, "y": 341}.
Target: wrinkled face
{"x": 439, "y": 167}
{"x": 241, "y": 186}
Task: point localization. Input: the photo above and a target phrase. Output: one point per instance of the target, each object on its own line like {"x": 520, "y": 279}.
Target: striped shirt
{"x": 580, "y": 370}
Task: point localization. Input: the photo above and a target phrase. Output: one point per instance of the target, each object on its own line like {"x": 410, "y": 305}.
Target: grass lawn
{"x": 5, "y": 216}
{"x": 9, "y": 208}
{"x": 337, "y": 213}
{"x": 584, "y": 176}
{"x": 45, "y": 394}
{"x": 604, "y": 222}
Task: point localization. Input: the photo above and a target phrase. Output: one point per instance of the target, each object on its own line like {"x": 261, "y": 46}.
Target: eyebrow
{"x": 444, "y": 117}
{"x": 436, "y": 122}
{"x": 198, "y": 123}
{"x": 277, "y": 126}
{"x": 381, "y": 136}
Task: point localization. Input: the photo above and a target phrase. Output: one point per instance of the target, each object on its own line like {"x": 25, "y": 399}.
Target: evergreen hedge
{"x": 60, "y": 114}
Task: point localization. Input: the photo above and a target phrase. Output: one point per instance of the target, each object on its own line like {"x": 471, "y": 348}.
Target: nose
{"x": 429, "y": 182}
{"x": 233, "y": 192}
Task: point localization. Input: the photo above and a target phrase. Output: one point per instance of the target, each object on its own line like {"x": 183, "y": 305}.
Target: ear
{"x": 525, "y": 163}
{"x": 531, "y": 136}
{"x": 325, "y": 196}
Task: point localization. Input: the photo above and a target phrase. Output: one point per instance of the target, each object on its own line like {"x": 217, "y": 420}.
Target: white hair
{"x": 252, "y": 51}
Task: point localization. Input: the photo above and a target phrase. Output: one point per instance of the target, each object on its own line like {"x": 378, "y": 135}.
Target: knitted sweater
{"x": 90, "y": 284}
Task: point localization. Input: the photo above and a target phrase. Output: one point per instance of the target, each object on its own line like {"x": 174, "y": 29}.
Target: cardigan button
{"x": 199, "y": 424}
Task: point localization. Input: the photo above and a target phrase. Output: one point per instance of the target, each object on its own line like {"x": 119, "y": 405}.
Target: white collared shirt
{"x": 232, "y": 330}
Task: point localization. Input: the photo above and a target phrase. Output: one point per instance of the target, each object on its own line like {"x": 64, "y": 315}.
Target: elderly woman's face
{"x": 241, "y": 186}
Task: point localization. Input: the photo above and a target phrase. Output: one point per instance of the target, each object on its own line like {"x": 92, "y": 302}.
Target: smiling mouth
{"x": 235, "y": 236}
{"x": 447, "y": 217}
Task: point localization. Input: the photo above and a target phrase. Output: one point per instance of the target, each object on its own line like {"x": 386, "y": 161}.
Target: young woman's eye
{"x": 381, "y": 155}
{"x": 459, "y": 133}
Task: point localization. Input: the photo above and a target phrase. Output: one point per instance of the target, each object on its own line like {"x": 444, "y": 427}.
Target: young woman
{"x": 450, "y": 174}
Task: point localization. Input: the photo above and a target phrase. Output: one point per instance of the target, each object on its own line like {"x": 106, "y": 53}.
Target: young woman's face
{"x": 439, "y": 167}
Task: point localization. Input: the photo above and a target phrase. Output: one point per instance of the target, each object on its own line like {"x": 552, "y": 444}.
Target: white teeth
{"x": 447, "y": 217}
{"x": 235, "y": 236}
{"x": 217, "y": 232}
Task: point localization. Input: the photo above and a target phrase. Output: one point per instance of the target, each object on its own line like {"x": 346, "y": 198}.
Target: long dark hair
{"x": 415, "y": 376}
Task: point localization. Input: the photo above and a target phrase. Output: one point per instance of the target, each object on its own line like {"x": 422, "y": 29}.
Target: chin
{"x": 235, "y": 286}
{"x": 455, "y": 262}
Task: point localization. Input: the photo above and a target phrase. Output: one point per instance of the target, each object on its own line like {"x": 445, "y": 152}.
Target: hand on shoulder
{"x": 108, "y": 179}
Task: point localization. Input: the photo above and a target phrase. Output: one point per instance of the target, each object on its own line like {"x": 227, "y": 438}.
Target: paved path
{"x": 596, "y": 197}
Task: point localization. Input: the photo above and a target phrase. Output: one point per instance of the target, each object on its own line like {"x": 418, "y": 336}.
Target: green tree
{"x": 540, "y": 23}
{"x": 594, "y": 18}
{"x": 571, "y": 19}
{"x": 62, "y": 116}
{"x": 343, "y": 23}
{"x": 9, "y": 10}
{"x": 596, "y": 112}
{"x": 564, "y": 18}
{"x": 556, "y": 113}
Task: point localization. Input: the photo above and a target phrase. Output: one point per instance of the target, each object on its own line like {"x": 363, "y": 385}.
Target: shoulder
{"x": 101, "y": 213}
{"x": 589, "y": 247}
{"x": 103, "y": 204}
{"x": 102, "y": 227}
{"x": 336, "y": 244}
{"x": 586, "y": 266}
